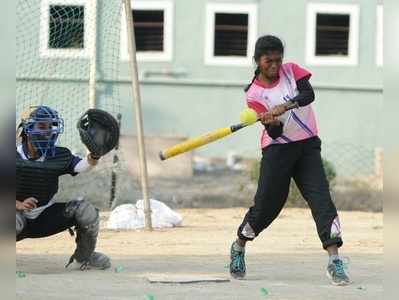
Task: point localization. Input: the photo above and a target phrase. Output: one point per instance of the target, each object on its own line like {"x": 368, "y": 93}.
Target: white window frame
{"x": 211, "y": 10}
{"x": 167, "y": 53}
{"x": 379, "y": 36}
{"x": 353, "y": 43}
{"x": 47, "y": 52}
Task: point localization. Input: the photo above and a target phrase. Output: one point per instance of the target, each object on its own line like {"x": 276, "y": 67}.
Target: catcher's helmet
{"x": 42, "y": 126}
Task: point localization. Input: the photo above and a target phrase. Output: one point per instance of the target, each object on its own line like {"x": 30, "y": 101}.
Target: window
{"x": 64, "y": 28}
{"x": 230, "y": 34}
{"x": 380, "y": 40}
{"x": 148, "y": 27}
{"x": 332, "y": 34}
{"x": 153, "y": 21}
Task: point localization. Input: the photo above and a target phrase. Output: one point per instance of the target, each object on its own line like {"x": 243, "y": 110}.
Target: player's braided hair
{"x": 264, "y": 45}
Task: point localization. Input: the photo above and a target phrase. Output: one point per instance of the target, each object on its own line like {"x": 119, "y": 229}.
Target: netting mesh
{"x": 55, "y": 42}
{"x": 66, "y": 27}
{"x": 54, "y": 49}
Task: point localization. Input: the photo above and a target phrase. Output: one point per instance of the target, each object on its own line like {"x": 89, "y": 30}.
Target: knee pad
{"x": 88, "y": 225}
{"x": 83, "y": 212}
{"x": 20, "y": 223}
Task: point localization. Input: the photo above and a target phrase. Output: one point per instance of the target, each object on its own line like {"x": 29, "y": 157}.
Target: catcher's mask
{"x": 42, "y": 125}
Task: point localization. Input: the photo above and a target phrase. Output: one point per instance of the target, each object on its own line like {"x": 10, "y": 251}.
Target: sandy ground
{"x": 286, "y": 260}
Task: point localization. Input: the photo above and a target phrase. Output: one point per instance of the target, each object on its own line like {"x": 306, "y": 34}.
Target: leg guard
{"x": 20, "y": 223}
{"x": 88, "y": 223}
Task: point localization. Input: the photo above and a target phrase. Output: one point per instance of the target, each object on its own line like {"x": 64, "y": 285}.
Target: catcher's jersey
{"x": 39, "y": 178}
{"x": 299, "y": 123}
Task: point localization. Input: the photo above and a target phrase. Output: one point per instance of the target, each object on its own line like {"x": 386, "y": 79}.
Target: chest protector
{"x": 40, "y": 179}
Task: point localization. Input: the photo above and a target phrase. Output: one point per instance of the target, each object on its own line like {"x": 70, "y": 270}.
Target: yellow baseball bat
{"x": 212, "y": 136}
{"x": 199, "y": 141}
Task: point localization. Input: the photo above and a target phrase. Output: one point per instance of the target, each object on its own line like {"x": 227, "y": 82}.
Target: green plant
{"x": 329, "y": 169}
{"x": 254, "y": 170}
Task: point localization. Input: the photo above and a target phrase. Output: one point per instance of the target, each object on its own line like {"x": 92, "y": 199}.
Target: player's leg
{"x": 87, "y": 228}
{"x": 20, "y": 223}
{"x": 51, "y": 221}
{"x": 62, "y": 216}
{"x": 311, "y": 180}
{"x": 273, "y": 187}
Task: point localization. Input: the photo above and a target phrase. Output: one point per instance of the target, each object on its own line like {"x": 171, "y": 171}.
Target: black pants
{"x": 51, "y": 221}
{"x": 302, "y": 161}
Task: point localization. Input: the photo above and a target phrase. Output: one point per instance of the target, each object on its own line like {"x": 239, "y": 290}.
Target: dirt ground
{"x": 286, "y": 261}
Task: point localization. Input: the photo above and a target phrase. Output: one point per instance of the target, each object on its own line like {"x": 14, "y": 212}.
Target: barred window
{"x": 332, "y": 34}
{"x": 149, "y": 29}
{"x": 153, "y": 30}
{"x": 66, "y": 27}
{"x": 231, "y": 34}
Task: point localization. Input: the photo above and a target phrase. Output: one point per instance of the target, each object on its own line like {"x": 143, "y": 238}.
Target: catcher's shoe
{"x": 237, "y": 263}
{"x": 97, "y": 260}
{"x": 336, "y": 273}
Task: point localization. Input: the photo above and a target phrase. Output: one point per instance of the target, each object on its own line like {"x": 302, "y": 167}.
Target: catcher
{"x": 39, "y": 164}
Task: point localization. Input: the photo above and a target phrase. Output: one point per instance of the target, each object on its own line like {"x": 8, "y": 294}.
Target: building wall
{"x": 348, "y": 98}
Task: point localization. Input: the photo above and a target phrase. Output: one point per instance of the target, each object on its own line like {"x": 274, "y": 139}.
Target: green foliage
{"x": 254, "y": 170}
{"x": 329, "y": 168}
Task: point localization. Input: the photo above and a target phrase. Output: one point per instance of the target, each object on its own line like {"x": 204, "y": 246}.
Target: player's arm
{"x": 305, "y": 89}
{"x": 304, "y": 97}
{"x": 306, "y": 92}
{"x": 80, "y": 165}
{"x": 275, "y": 129}
{"x": 265, "y": 116}
{"x": 273, "y": 126}
{"x": 92, "y": 159}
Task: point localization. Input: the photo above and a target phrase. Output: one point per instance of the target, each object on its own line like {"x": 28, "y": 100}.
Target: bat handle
{"x": 161, "y": 155}
{"x": 292, "y": 105}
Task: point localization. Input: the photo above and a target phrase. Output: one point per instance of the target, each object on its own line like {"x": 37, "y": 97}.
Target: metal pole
{"x": 93, "y": 57}
{"x": 137, "y": 107}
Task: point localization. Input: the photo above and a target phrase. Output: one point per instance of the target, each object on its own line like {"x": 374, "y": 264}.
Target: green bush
{"x": 329, "y": 168}
{"x": 254, "y": 171}
{"x": 295, "y": 198}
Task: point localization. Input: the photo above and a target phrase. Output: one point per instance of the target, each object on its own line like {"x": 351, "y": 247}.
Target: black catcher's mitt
{"x": 99, "y": 131}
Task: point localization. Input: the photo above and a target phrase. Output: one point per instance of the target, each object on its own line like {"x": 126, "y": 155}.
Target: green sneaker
{"x": 336, "y": 273}
{"x": 237, "y": 263}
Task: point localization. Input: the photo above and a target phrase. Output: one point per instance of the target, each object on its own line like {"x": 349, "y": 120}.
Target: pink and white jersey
{"x": 299, "y": 123}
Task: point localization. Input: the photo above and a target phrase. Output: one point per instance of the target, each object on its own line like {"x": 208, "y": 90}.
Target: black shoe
{"x": 97, "y": 260}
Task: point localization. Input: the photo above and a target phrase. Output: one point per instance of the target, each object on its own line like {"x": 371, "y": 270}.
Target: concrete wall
{"x": 348, "y": 98}
{"x": 176, "y": 167}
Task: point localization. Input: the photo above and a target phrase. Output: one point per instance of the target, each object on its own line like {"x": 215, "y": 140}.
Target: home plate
{"x": 184, "y": 278}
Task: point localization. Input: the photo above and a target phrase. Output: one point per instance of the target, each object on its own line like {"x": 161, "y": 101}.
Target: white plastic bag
{"x": 129, "y": 216}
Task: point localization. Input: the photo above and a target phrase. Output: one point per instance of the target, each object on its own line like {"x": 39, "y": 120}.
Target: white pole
{"x": 137, "y": 107}
{"x": 93, "y": 57}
